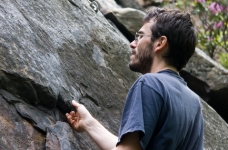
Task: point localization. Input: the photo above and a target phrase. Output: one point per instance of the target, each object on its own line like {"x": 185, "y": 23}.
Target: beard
{"x": 142, "y": 61}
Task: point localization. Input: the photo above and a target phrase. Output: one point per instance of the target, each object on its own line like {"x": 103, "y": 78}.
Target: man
{"x": 161, "y": 112}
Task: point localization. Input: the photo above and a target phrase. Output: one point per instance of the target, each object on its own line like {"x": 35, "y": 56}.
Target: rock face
{"x": 54, "y": 51}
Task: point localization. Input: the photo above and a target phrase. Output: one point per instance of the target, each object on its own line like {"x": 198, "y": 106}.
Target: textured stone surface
{"x": 54, "y": 51}
{"x": 61, "y": 137}
{"x": 216, "y": 129}
{"x": 108, "y": 4}
{"x": 15, "y": 132}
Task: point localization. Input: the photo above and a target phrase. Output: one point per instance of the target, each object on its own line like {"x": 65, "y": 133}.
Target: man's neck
{"x": 156, "y": 67}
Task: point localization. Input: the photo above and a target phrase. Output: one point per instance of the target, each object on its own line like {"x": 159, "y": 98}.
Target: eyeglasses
{"x": 140, "y": 35}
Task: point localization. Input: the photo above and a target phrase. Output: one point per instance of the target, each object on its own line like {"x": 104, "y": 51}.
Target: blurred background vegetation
{"x": 211, "y": 20}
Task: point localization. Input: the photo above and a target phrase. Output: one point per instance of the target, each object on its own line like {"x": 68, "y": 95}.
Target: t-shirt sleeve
{"x": 141, "y": 112}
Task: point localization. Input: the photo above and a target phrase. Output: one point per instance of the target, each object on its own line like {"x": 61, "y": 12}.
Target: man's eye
{"x": 140, "y": 36}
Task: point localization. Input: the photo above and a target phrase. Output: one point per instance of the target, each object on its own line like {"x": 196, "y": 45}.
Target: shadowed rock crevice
{"x": 28, "y": 90}
{"x": 110, "y": 16}
{"x": 41, "y": 117}
{"x": 217, "y": 99}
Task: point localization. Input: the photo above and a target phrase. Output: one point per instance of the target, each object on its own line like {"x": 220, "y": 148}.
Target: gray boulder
{"x": 108, "y": 4}
{"x": 52, "y": 52}
{"x": 130, "y": 18}
{"x": 215, "y": 129}
{"x": 209, "y": 80}
{"x": 129, "y": 3}
{"x": 127, "y": 20}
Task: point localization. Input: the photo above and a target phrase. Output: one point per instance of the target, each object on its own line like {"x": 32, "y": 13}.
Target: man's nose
{"x": 133, "y": 44}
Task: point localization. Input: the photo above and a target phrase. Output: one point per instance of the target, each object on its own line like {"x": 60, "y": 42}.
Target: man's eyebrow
{"x": 140, "y": 32}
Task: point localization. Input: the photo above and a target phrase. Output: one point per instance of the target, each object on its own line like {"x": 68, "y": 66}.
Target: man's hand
{"x": 80, "y": 119}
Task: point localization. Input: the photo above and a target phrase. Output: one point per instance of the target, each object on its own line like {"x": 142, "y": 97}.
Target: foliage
{"x": 213, "y": 31}
{"x": 224, "y": 59}
{"x": 213, "y": 26}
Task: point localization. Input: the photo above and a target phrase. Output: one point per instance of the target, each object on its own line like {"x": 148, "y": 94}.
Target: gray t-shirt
{"x": 165, "y": 111}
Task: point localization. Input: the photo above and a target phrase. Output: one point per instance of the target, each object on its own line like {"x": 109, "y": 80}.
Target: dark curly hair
{"x": 180, "y": 32}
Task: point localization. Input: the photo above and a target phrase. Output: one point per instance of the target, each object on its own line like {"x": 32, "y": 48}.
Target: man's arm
{"x": 101, "y": 136}
{"x": 82, "y": 120}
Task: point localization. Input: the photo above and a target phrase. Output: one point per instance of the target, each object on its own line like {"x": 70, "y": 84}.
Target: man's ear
{"x": 161, "y": 44}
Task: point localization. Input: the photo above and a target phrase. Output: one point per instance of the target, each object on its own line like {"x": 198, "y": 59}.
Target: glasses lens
{"x": 136, "y": 36}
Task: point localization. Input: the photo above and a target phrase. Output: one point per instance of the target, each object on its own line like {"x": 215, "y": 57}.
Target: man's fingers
{"x": 73, "y": 121}
{"x": 69, "y": 117}
{"x": 72, "y": 116}
{"x": 72, "y": 113}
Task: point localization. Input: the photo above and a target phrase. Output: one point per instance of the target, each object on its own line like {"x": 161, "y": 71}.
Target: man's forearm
{"x": 102, "y": 137}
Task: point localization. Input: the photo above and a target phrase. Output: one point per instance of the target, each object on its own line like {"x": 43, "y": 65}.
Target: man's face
{"x": 142, "y": 50}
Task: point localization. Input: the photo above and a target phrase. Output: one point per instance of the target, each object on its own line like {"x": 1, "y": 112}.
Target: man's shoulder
{"x": 150, "y": 80}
